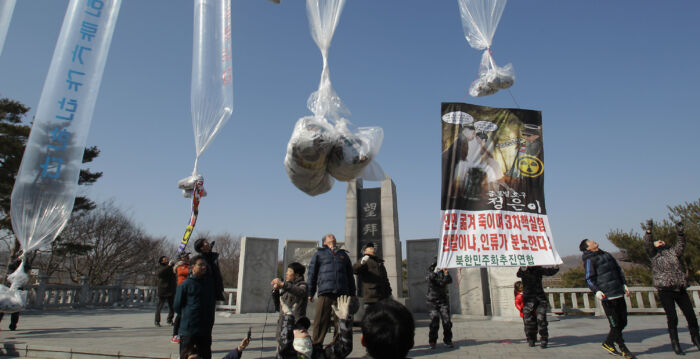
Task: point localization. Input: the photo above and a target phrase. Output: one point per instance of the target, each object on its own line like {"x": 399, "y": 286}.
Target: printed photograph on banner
{"x": 492, "y": 198}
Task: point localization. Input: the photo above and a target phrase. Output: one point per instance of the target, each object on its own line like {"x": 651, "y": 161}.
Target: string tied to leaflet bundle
{"x": 211, "y": 93}
{"x": 325, "y": 146}
{"x": 480, "y": 19}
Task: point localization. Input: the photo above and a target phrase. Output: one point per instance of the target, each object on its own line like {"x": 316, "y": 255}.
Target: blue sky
{"x": 617, "y": 83}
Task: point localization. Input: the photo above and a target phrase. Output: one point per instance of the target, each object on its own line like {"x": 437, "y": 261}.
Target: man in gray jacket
{"x": 670, "y": 280}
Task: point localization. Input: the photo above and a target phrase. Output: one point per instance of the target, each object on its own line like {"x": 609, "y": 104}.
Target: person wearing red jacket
{"x": 518, "y": 292}
{"x": 182, "y": 271}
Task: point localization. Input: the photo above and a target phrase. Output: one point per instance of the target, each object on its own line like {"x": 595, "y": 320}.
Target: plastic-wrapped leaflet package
{"x": 480, "y": 19}
{"x": 45, "y": 187}
{"x": 323, "y": 145}
{"x": 13, "y": 299}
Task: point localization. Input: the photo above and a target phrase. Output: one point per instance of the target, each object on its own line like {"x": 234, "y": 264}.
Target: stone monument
{"x": 371, "y": 215}
{"x": 258, "y": 265}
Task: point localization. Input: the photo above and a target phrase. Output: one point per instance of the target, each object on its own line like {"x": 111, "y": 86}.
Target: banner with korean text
{"x": 492, "y": 203}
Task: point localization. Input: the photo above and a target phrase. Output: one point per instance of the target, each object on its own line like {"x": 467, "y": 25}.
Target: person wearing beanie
{"x": 204, "y": 248}
{"x": 372, "y": 276}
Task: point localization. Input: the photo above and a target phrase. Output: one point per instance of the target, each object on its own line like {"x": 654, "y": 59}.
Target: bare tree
{"x": 229, "y": 248}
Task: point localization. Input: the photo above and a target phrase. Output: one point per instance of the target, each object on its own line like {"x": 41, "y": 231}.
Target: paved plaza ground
{"x": 104, "y": 333}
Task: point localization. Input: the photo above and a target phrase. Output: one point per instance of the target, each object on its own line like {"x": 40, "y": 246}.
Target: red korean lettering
{"x": 515, "y": 241}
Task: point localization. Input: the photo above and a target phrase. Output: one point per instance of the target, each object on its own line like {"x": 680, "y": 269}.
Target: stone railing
{"x": 56, "y": 296}
{"x": 582, "y": 300}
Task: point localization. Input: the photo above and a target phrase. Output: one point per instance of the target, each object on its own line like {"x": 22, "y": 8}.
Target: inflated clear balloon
{"x": 212, "y": 71}
{"x": 47, "y": 181}
{"x": 7, "y": 7}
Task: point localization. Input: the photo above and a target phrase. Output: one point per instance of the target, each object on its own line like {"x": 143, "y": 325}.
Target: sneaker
{"x": 157, "y": 324}
{"x": 626, "y": 353}
{"x": 175, "y": 339}
{"x": 13, "y": 328}
{"x": 531, "y": 342}
{"x": 449, "y": 344}
{"x": 543, "y": 343}
{"x": 610, "y": 348}
{"x": 432, "y": 345}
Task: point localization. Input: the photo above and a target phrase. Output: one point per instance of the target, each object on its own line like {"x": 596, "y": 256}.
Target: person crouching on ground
{"x": 295, "y": 342}
{"x": 670, "y": 280}
{"x": 191, "y": 353}
{"x": 196, "y": 304}
{"x": 388, "y": 330}
{"x": 439, "y": 305}
{"x": 293, "y": 291}
{"x": 605, "y": 278}
{"x": 535, "y": 303}
{"x": 372, "y": 276}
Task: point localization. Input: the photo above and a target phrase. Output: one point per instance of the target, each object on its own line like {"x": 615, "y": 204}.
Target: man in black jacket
{"x": 439, "y": 305}
{"x": 330, "y": 272}
{"x": 372, "y": 276}
{"x": 195, "y": 304}
{"x": 204, "y": 248}
{"x": 166, "y": 288}
{"x": 535, "y": 303}
{"x": 605, "y": 278}
{"x": 292, "y": 291}
{"x": 670, "y": 280}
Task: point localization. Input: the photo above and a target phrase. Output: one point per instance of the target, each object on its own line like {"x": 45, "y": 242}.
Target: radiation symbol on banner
{"x": 530, "y": 166}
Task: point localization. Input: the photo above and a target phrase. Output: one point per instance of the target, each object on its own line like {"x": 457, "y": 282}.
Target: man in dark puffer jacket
{"x": 671, "y": 281}
{"x": 605, "y": 278}
{"x": 330, "y": 271}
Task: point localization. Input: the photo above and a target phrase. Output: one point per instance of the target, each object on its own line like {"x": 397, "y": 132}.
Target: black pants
{"x": 159, "y": 307}
{"x": 616, "y": 311}
{"x": 669, "y": 299}
{"x": 201, "y": 343}
{"x": 14, "y": 318}
{"x": 176, "y": 324}
{"x": 439, "y": 309}
{"x": 535, "y": 318}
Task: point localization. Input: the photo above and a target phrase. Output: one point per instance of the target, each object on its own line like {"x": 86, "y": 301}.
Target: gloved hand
{"x": 171, "y": 263}
{"x": 342, "y": 307}
{"x": 679, "y": 228}
{"x": 364, "y": 259}
{"x": 286, "y": 310}
{"x": 627, "y": 291}
{"x": 436, "y": 270}
{"x": 600, "y": 295}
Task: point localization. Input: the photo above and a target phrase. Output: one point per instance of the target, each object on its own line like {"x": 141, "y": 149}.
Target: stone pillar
{"x": 501, "y": 282}
{"x": 84, "y": 290}
{"x": 471, "y": 298}
{"x": 391, "y": 243}
{"x": 42, "y": 281}
{"x": 419, "y": 256}
{"x": 390, "y": 240}
{"x": 258, "y": 265}
{"x": 351, "y": 220}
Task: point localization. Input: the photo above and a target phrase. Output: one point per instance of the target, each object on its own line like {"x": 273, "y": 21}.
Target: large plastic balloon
{"x": 47, "y": 181}
{"x": 212, "y": 72}
{"x": 211, "y": 92}
{"x": 323, "y": 147}
{"x": 480, "y": 19}
{"x": 7, "y": 7}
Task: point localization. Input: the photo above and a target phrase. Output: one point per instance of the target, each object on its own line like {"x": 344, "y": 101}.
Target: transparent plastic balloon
{"x": 480, "y": 19}
{"x": 323, "y": 146}
{"x": 212, "y": 72}
{"x": 7, "y": 7}
{"x": 47, "y": 181}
